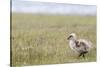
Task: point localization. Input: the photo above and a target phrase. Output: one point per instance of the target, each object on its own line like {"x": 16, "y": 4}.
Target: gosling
{"x": 81, "y": 46}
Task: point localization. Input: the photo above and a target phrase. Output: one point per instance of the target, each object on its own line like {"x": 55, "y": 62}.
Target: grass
{"x": 41, "y": 39}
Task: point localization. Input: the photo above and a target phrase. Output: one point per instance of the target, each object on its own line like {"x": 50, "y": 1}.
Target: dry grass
{"x": 41, "y": 39}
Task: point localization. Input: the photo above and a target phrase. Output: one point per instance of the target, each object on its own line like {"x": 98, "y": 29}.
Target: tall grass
{"x": 41, "y": 39}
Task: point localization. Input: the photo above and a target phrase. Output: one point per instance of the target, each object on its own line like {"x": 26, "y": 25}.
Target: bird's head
{"x": 72, "y": 36}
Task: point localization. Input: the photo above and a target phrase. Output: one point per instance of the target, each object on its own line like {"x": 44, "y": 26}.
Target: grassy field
{"x": 42, "y": 39}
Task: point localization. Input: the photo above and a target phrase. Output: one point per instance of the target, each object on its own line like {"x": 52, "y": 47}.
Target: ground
{"x": 42, "y": 39}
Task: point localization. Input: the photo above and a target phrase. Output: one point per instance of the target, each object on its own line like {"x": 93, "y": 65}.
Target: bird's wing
{"x": 87, "y": 44}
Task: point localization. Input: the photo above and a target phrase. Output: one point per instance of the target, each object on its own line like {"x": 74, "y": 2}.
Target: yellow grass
{"x": 42, "y": 39}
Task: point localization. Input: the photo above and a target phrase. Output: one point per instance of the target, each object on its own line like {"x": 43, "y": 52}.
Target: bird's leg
{"x": 83, "y": 55}
{"x": 80, "y": 54}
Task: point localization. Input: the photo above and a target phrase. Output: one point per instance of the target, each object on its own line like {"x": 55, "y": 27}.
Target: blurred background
{"x": 52, "y": 8}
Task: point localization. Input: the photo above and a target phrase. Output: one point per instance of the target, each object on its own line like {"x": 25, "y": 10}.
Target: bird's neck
{"x": 73, "y": 42}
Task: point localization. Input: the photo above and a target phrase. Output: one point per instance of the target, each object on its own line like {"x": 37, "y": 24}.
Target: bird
{"x": 81, "y": 46}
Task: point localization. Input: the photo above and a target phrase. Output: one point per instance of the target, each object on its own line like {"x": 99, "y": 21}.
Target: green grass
{"x": 42, "y": 39}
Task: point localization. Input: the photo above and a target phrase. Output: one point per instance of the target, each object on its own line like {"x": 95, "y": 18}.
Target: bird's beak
{"x": 68, "y": 38}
